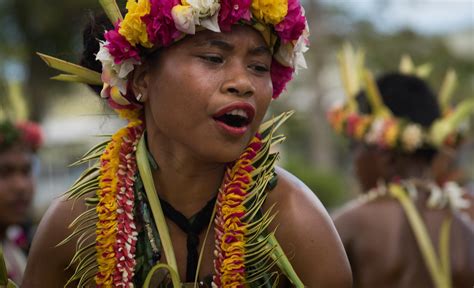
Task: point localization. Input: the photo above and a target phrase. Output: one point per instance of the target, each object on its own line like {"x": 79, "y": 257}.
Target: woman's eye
{"x": 260, "y": 68}
{"x": 213, "y": 59}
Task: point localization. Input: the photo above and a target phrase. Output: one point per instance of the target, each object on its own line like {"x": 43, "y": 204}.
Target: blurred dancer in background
{"x": 19, "y": 141}
{"x": 406, "y": 231}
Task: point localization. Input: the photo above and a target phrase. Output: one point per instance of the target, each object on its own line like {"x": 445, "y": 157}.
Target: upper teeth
{"x": 238, "y": 112}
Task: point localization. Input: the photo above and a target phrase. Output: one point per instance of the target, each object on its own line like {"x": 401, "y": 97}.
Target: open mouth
{"x": 237, "y": 118}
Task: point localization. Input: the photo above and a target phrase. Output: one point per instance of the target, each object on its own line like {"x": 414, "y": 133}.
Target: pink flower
{"x": 31, "y": 134}
{"x": 351, "y": 125}
{"x": 294, "y": 23}
{"x": 232, "y": 11}
{"x": 160, "y": 25}
{"x": 119, "y": 47}
{"x": 280, "y": 76}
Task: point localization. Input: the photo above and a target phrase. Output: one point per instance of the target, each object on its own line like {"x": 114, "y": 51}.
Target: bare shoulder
{"x": 357, "y": 216}
{"x": 47, "y": 261}
{"x": 307, "y": 234}
{"x": 347, "y": 219}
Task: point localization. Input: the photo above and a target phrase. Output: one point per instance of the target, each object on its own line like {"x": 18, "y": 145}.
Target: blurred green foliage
{"x": 328, "y": 185}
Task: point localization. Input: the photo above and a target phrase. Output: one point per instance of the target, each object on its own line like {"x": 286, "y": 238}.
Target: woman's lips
{"x": 235, "y": 131}
{"x": 235, "y": 119}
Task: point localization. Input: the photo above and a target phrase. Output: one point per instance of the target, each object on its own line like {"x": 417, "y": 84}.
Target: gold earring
{"x": 139, "y": 97}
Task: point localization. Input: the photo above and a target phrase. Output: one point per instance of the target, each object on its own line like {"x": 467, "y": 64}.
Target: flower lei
{"x": 449, "y": 195}
{"x": 158, "y": 23}
{"x": 240, "y": 236}
{"x": 229, "y": 225}
{"x": 116, "y": 232}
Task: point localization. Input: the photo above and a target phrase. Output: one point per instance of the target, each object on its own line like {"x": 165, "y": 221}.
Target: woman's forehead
{"x": 15, "y": 155}
{"x": 240, "y": 34}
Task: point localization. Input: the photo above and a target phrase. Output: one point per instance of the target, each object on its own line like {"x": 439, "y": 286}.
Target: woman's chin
{"x": 225, "y": 155}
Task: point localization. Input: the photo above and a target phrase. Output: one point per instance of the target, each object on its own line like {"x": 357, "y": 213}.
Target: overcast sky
{"x": 425, "y": 16}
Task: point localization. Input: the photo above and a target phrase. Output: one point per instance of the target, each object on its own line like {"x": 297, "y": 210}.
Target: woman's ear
{"x": 140, "y": 82}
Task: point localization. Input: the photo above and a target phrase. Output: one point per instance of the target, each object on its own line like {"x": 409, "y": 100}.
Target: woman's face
{"x": 16, "y": 185}
{"x": 208, "y": 93}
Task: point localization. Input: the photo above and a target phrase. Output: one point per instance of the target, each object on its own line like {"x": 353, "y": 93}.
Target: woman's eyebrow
{"x": 217, "y": 43}
{"x": 260, "y": 50}
{"x": 226, "y": 46}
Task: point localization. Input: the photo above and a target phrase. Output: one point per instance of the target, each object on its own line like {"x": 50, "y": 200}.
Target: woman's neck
{"x": 408, "y": 167}
{"x": 182, "y": 179}
{"x": 414, "y": 172}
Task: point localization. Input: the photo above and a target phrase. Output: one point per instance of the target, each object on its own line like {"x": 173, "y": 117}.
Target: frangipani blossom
{"x": 412, "y": 137}
{"x": 184, "y": 18}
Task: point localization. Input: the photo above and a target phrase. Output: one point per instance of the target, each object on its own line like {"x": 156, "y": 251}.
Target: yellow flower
{"x": 270, "y": 11}
{"x": 391, "y": 134}
{"x": 361, "y": 127}
{"x": 132, "y": 26}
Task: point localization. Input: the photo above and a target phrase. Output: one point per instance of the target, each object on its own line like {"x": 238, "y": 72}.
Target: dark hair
{"x": 91, "y": 35}
{"x": 407, "y": 97}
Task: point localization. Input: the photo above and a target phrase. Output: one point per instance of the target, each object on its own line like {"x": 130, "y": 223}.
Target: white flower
{"x": 184, "y": 18}
{"x": 211, "y": 23}
{"x": 375, "y": 132}
{"x": 455, "y": 195}
{"x": 300, "y": 48}
{"x": 285, "y": 55}
{"x": 115, "y": 74}
{"x": 206, "y": 13}
{"x": 204, "y": 8}
{"x": 451, "y": 194}
{"x": 437, "y": 199}
{"x": 292, "y": 54}
{"x": 412, "y": 137}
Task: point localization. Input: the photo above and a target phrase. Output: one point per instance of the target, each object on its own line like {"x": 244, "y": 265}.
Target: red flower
{"x": 119, "y": 47}
{"x": 159, "y": 23}
{"x": 294, "y": 23}
{"x": 280, "y": 76}
{"x": 31, "y": 134}
{"x": 232, "y": 11}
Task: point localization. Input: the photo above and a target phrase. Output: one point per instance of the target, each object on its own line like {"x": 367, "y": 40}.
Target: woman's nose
{"x": 21, "y": 182}
{"x": 239, "y": 83}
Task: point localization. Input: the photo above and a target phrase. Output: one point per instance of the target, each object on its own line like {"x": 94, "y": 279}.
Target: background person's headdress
{"x": 381, "y": 128}
{"x": 15, "y": 128}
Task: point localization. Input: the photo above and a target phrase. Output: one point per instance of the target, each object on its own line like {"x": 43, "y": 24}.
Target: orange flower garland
{"x": 229, "y": 226}
{"x": 116, "y": 231}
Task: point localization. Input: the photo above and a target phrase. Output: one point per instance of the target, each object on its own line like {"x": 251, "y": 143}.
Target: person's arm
{"x": 307, "y": 235}
{"x": 47, "y": 262}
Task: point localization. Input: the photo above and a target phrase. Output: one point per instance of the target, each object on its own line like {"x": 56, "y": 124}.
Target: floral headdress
{"x": 14, "y": 126}
{"x": 381, "y": 128}
{"x": 152, "y": 24}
